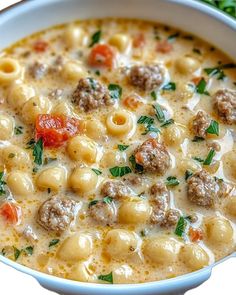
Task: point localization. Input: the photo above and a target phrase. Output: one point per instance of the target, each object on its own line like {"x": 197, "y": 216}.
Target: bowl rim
{"x": 188, "y": 278}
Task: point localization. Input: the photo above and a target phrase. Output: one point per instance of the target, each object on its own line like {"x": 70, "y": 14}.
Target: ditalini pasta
{"x": 117, "y": 152}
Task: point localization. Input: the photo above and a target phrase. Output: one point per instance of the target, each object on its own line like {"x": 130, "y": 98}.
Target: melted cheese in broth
{"x": 139, "y": 184}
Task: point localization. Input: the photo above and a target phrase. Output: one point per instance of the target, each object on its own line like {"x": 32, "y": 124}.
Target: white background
{"x": 221, "y": 282}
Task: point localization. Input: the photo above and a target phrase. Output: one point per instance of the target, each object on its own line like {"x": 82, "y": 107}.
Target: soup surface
{"x": 117, "y": 152}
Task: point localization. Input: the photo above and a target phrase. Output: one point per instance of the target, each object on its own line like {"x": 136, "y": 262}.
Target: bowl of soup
{"x": 117, "y": 144}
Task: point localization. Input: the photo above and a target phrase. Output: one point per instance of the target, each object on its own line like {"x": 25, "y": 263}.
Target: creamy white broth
{"x": 150, "y": 250}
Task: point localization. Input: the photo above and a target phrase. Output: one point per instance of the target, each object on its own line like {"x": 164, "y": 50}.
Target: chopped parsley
{"x": 209, "y": 157}
{"x": 17, "y": 253}
{"x": 198, "y": 159}
{"x": 95, "y": 38}
{"x": 150, "y": 128}
{"x": 213, "y": 128}
{"x": 18, "y": 130}
{"x": 122, "y": 147}
{"x": 172, "y": 181}
{"x": 11, "y": 155}
{"x": 167, "y": 123}
{"x": 159, "y": 113}
{"x": 188, "y": 174}
{"x": 197, "y": 139}
{"x": 96, "y": 171}
{"x": 180, "y": 227}
{"x": 2, "y": 184}
{"x": 38, "y": 152}
{"x": 201, "y": 87}
{"x": 145, "y": 120}
{"x": 30, "y": 144}
{"x": 92, "y": 203}
{"x": 172, "y": 37}
{"x": 154, "y": 95}
{"x": 107, "y": 200}
{"x": 29, "y": 250}
{"x": 53, "y": 243}
{"x": 118, "y": 171}
{"x": 137, "y": 167}
{"x": 107, "y": 278}
{"x": 92, "y": 83}
{"x": 115, "y": 91}
{"x": 218, "y": 70}
{"x": 171, "y": 86}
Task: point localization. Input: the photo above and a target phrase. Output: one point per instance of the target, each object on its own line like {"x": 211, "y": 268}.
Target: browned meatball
{"x": 171, "y": 218}
{"x": 56, "y": 214}
{"x": 38, "y": 70}
{"x": 103, "y": 212}
{"x": 90, "y": 95}
{"x": 153, "y": 157}
{"x": 200, "y": 124}
{"x": 160, "y": 202}
{"x": 202, "y": 189}
{"x": 146, "y": 77}
{"x": 115, "y": 189}
{"x": 225, "y": 104}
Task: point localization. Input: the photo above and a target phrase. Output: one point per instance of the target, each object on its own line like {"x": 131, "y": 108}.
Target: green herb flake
{"x": 196, "y": 50}
{"x": 92, "y": 203}
{"x": 167, "y": 123}
{"x": 96, "y": 171}
{"x": 107, "y": 200}
{"x": 188, "y": 174}
{"x": 218, "y": 70}
{"x": 171, "y": 86}
{"x": 180, "y": 227}
{"x": 2, "y": 184}
{"x": 17, "y": 253}
{"x": 200, "y": 160}
{"x": 137, "y": 167}
{"x": 107, "y": 278}
{"x": 115, "y": 91}
{"x": 154, "y": 95}
{"x": 29, "y": 250}
{"x": 93, "y": 83}
{"x": 209, "y": 157}
{"x": 201, "y": 87}
{"x": 172, "y": 181}
{"x": 3, "y": 252}
{"x": 122, "y": 147}
{"x": 97, "y": 73}
{"x": 120, "y": 171}
{"x": 172, "y": 37}
{"x": 38, "y": 152}
{"x": 95, "y": 38}
{"x": 18, "y": 130}
{"x": 159, "y": 113}
{"x": 53, "y": 243}
{"x": 11, "y": 155}
{"x": 213, "y": 128}
{"x": 145, "y": 120}
{"x": 30, "y": 144}
{"x": 197, "y": 139}
{"x": 150, "y": 128}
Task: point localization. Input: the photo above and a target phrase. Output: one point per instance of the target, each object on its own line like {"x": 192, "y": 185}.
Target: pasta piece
{"x": 231, "y": 206}
{"x": 74, "y": 71}
{"x": 15, "y": 157}
{"x": 20, "y": 183}
{"x": 187, "y": 65}
{"x": 219, "y": 231}
{"x": 10, "y": 70}
{"x": 95, "y": 129}
{"x": 6, "y": 127}
{"x": 194, "y": 256}
{"x": 121, "y": 41}
{"x": 83, "y": 180}
{"x": 52, "y": 178}
{"x": 73, "y": 35}
{"x": 119, "y": 123}
{"x": 122, "y": 274}
{"x": 80, "y": 272}
{"x": 19, "y": 94}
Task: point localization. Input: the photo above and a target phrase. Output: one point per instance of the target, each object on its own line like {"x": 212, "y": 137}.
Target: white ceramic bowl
{"x": 191, "y": 16}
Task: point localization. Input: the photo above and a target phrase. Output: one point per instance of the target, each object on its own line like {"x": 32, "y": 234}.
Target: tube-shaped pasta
{"x": 119, "y": 123}
{"x": 10, "y": 69}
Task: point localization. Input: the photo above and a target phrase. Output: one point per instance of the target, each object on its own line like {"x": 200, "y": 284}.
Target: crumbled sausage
{"x": 225, "y": 104}
{"x": 103, "y": 212}
{"x": 171, "y": 218}
{"x": 146, "y": 77}
{"x": 202, "y": 189}
{"x": 160, "y": 201}
{"x": 37, "y": 70}
{"x": 153, "y": 157}
{"x": 56, "y": 214}
{"x": 90, "y": 95}
{"x": 115, "y": 189}
{"x": 200, "y": 124}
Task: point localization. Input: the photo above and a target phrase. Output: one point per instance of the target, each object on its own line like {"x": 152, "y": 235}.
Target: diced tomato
{"x": 139, "y": 40}
{"x": 40, "y": 46}
{"x": 164, "y": 46}
{"x": 101, "y": 55}
{"x": 11, "y": 212}
{"x": 196, "y": 80}
{"x": 55, "y": 129}
{"x": 132, "y": 102}
{"x": 195, "y": 234}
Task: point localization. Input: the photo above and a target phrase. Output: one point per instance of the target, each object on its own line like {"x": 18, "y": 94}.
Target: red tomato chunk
{"x": 11, "y": 212}
{"x": 101, "y": 55}
{"x": 55, "y": 129}
{"x": 40, "y": 46}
